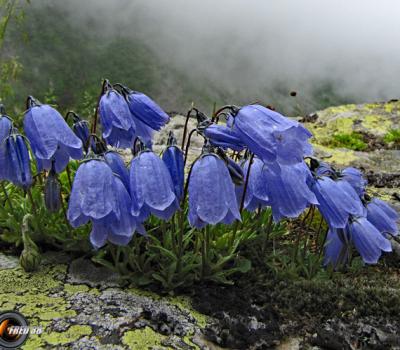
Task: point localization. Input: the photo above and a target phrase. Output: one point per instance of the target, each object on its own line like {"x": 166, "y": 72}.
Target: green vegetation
{"x": 392, "y": 137}
{"x": 353, "y": 141}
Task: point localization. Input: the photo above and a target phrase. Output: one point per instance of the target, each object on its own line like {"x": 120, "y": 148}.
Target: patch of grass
{"x": 393, "y": 136}
{"x": 353, "y": 141}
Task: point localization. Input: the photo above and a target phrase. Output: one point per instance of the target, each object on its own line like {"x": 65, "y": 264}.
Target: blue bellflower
{"x": 384, "y": 218}
{"x": 117, "y": 165}
{"x": 152, "y": 189}
{"x": 116, "y": 229}
{"x": 50, "y": 137}
{"x": 14, "y": 160}
{"x": 256, "y": 192}
{"x": 337, "y": 201}
{"x": 355, "y": 178}
{"x": 224, "y": 137}
{"x": 365, "y": 237}
{"x": 5, "y": 127}
{"x": 173, "y": 159}
{"x": 119, "y": 129}
{"x": 288, "y": 190}
{"x": 212, "y": 197}
{"x": 93, "y": 194}
{"x": 146, "y": 110}
{"x": 271, "y": 136}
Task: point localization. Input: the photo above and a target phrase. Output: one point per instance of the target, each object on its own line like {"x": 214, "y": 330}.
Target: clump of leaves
{"x": 392, "y": 137}
{"x": 353, "y": 141}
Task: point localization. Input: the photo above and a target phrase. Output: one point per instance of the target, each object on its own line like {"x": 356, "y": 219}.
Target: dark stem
{"x": 266, "y": 239}
{"x": 186, "y": 126}
{"x": 187, "y": 146}
{"x": 95, "y": 116}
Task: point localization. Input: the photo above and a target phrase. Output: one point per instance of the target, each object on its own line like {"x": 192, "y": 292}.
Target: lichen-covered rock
{"x": 380, "y": 160}
{"x": 77, "y": 311}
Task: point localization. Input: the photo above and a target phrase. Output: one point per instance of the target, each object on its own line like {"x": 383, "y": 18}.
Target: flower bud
{"x": 52, "y": 192}
{"x": 30, "y": 257}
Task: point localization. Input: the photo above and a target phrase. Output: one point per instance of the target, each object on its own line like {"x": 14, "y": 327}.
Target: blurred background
{"x": 184, "y": 51}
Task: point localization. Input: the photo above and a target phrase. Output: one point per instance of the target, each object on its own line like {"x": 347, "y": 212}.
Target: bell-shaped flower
{"x": 337, "y": 200}
{"x": 152, "y": 189}
{"x": 271, "y": 136}
{"x": 235, "y": 170}
{"x": 14, "y": 160}
{"x": 117, "y": 165}
{"x": 384, "y": 218}
{"x": 288, "y": 190}
{"x": 93, "y": 194}
{"x": 116, "y": 229}
{"x": 52, "y": 192}
{"x": 144, "y": 132}
{"x": 256, "y": 191}
{"x": 146, "y": 110}
{"x": 173, "y": 159}
{"x": 212, "y": 198}
{"x": 117, "y": 123}
{"x": 5, "y": 125}
{"x": 365, "y": 237}
{"x": 337, "y": 248}
{"x": 224, "y": 137}
{"x": 324, "y": 169}
{"x": 355, "y": 178}
{"x": 50, "y": 137}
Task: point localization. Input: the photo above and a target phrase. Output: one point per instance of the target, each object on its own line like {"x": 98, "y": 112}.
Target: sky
{"x": 249, "y": 48}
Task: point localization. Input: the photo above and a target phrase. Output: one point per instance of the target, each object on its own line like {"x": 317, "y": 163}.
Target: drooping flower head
{"x": 365, "y": 237}
{"x": 174, "y": 160}
{"x": 288, "y": 189}
{"x": 355, "y": 178}
{"x": 118, "y": 126}
{"x": 117, "y": 230}
{"x": 93, "y": 194}
{"x": 224, "y": 137}
{"x": 80, "y": 128}
{"x": 50, "y": 137}
{"x": 117, "y": 165}
{"x": 15, "y": 161}
{"x": 152, "y": 189}
{"x": 382, "y": 216}
{"x": 5, "y": 124}
{"x": 52, "y": 192}
{"x": 337, "y": 201}
{"x": 145, "y": 109}
{"x": 256, "y": 191}
{"x": 271, "y": 136}
{"x": 212, "y": 198}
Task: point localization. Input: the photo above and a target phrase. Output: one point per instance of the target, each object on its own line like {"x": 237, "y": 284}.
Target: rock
{"x": 8, "y": 261}
{"x": 379, "y": 162}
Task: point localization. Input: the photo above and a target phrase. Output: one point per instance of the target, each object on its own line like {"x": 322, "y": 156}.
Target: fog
{"x": 260, "y": 49}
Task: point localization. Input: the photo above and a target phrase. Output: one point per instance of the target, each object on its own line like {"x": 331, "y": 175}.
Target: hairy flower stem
{"x": 205, "y": 251}
{"x": 29, "y": 192}
{"x": 246, "y": 184}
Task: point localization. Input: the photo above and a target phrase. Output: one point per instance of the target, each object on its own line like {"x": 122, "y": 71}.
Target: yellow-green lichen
{"x": 18, "y": 281}
{"x": 337, "y": 155}
{"x": 72, "y": 334}
{"x": 142, "y": 339}
{"x": 376, "y": 124}
{"x": 342, "y": 125}
{"x": 340, "y": 109}
{"x": 75, "y": 288}
{"x": 184, "y": 303}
